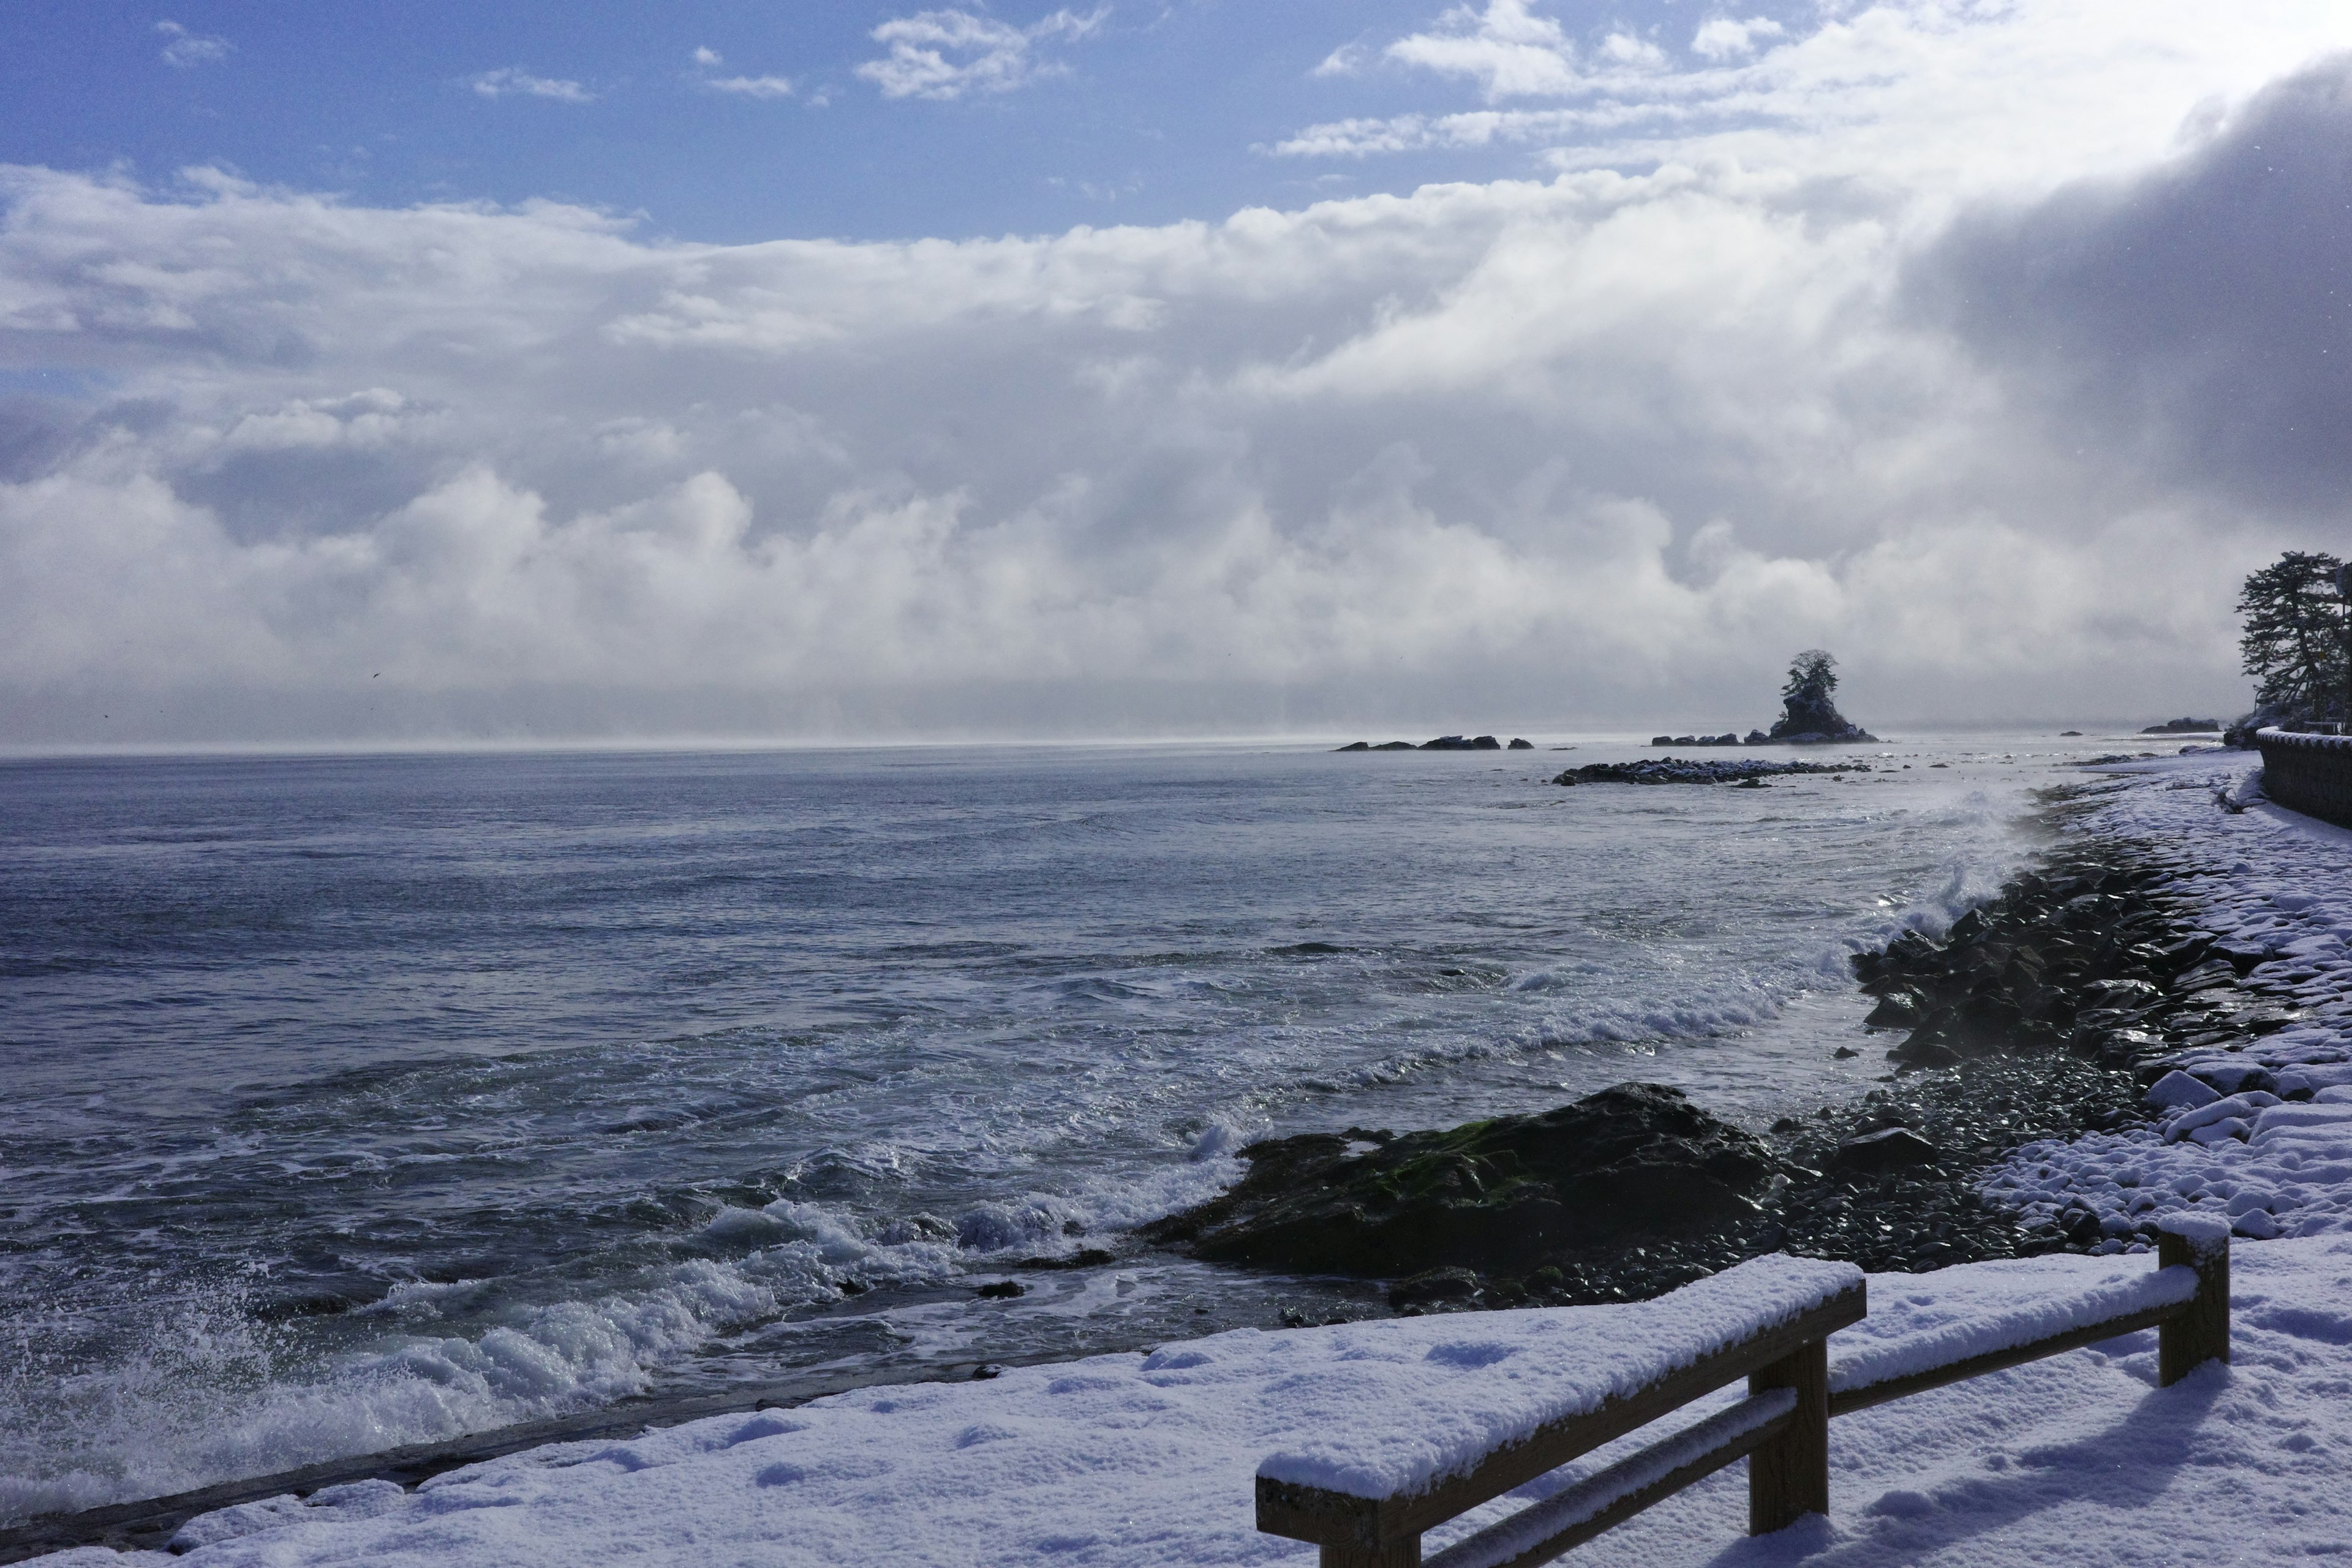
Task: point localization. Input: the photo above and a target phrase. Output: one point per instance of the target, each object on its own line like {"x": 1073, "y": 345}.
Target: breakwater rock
{"x": 1681, "y": 770}
{"x": 2091, "y": 956}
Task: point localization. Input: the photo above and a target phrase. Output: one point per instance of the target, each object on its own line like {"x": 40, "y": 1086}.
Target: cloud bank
{"x": 1601, "y": 448}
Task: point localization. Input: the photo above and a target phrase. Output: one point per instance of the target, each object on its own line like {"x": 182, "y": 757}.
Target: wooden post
{"x": 2202, "y": 1332}
{"x": 1789, "y": 1477}
{"x": 1406, "y": 1554}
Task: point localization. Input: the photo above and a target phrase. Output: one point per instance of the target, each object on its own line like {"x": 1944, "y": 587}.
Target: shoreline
{"x": 138, "y": 1522}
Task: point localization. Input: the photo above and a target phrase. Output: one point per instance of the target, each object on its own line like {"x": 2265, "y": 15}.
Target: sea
{"x": 353, "y": 1102}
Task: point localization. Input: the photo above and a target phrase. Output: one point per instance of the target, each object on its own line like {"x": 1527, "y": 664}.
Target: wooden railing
{"x": 1781, "y": 1428}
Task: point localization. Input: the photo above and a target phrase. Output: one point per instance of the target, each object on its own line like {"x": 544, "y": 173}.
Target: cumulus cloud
{"x": 511, "y": 81}
{"x": 1722, "y": 38}
{"x": 184, "y": 50}
{"x": 1601, "y": 447}
{"x": 1508, "y": 49}
{"x": 948, "y": 54}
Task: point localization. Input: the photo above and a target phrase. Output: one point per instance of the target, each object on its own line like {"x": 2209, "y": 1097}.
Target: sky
{"x": 788, "y": 371}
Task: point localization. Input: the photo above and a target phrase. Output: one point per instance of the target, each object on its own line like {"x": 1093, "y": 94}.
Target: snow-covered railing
{"x": 1365, "y": 1498}
{"x": 2186, "y": 1300}
{"x": 2309, "y": 773}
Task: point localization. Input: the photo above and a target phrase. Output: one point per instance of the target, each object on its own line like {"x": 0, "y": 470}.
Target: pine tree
{"x": 1812, "y": 676}
{"x": 2295, "y": 641}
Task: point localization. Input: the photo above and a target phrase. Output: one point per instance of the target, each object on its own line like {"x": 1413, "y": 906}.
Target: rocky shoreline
{"x": 2047, "y": 1012}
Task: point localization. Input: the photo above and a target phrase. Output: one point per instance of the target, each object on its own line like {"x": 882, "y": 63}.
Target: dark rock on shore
{"x": 1884, "y": 1182}
{"x": 1509, "y": 1195}
{"x": 2089, "y": 956}
{"x": 1677, "y": 770}
{"x": 2185, "y": 727}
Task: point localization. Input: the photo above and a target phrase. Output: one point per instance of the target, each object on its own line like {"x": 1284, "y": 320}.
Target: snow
{"x": 1132, "y": 1459}
{"x": 2022, "y": 1312}
{"x": 1479, "y": 1386}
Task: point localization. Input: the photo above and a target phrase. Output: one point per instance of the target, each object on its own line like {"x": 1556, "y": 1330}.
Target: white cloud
{"x": 948, "y": 54}
{"x": 1593, "y": 448}
{"x": 1721, "y": 38}
{"x": 741, "y": 85}
{"x": 1507, "y": 49}
{"x": 509, "y": 82}
{"x": 368, "y": 419}
{"x": 1925, "y": 92}
{"x": 184, "y": 50}
{"x": 751, "y": 86}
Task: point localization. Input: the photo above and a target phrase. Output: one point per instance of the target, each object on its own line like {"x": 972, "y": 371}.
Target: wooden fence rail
{"x": 1781, "y": 1428}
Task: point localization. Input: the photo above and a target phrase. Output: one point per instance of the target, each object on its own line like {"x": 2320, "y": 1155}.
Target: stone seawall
{"x": 2309, "y": 773}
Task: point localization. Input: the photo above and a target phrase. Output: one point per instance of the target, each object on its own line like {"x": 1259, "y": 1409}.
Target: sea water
{"x": 356, "y": 1101}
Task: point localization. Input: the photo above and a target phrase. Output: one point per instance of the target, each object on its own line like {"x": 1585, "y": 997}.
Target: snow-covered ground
{"x": 1150, "y": 1458}
{"x": 2273, "y": 1155}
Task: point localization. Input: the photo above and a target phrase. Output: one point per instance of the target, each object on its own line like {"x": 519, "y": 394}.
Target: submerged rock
{"x": 1635, "y": 1162}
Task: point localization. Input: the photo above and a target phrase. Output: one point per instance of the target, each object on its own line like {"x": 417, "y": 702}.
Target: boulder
{"x": 2176, "y": 1089}
{"x": 1635, "y": 1162}
{"x": 1520, "y": 745}
{"x": 1890, "y": 1149}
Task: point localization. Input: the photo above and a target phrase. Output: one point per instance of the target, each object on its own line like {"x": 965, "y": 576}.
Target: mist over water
{"x": 355, "y": 1102}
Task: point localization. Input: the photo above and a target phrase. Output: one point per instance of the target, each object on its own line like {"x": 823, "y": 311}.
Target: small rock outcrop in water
{"x": 2184, "y": 727}
{"x": 1443, "y": 743}
{"x": 1510, "y": 1195}
{"x": 1678, "y": 770}
{"x": 1809, "y": 716}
